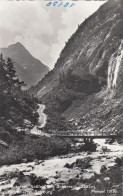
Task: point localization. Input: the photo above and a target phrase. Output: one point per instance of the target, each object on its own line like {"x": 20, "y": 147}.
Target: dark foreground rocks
{"x": 103, "y": 168}
{"x": 32, "y": 180}
{"x": 81, "y": 163}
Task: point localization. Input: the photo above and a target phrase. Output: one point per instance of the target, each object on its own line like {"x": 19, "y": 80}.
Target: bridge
{"x": 88, "y": 136}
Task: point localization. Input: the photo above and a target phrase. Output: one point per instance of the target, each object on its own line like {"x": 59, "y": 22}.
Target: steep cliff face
{"x": 92, "y": 48}
{"x": 87, "y": 78}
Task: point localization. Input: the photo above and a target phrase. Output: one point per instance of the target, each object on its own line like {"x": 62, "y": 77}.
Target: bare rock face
{"x": 94, "y": 50}
{"x": 86, "y": 83}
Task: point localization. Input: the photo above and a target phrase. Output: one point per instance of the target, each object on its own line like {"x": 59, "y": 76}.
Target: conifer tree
{"x": 10, "y": 73}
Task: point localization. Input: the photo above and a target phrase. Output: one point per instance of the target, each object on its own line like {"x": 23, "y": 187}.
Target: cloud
{"x": 42, "y": 30}
{"x": 26, "y": 22}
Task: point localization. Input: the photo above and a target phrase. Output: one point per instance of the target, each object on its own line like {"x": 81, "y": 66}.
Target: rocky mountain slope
{"x": 86, "y": 84}
{"x": 29, "y": 69}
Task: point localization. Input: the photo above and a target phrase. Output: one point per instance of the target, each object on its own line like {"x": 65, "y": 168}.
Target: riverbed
{"x": 53, "y": 168}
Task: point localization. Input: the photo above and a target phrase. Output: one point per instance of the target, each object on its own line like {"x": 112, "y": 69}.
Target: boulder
{"x": 56, "y": 177}
{"x": 83, "y": 163}
{"x": 103, "y": 169}
{"x": 89, "y": 153}
{"x": 14, "y": 173}
{"x": 104, "y": 149}
{"x": 16, "y": 184}
{"x": 69, "y": 166}
{"x": 39, "y": 181}
{"x": 72, "y": 181}
{"x": 22, "y": 180}
{"x": 36, "y": 161}
{"x": 119, "y": 161}
{"x": 34, "y": 180}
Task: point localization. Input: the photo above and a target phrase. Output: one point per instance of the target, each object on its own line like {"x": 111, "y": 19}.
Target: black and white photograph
{"x": 61, "y": 98}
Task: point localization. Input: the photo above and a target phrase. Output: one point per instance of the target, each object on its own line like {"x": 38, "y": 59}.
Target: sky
{"x": 42, "y": 29}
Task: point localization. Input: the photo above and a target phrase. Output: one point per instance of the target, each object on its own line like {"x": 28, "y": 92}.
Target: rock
{"x": 36, "y": 161}
{"x": 103, "y": 169}
{"x": 104, "y": 149}
{"x": 83, "y": 163}
{"x": 34, "y": 180}
{"x": 69, "y": 166}
{"x": 16, "y": 184}
{"x": 32, "y": 177}
{"x": 71, "y": 181}
{"x": 22, "y": 180}
{"x": 77, "y": 176}
{"x": 14, "y": 173}
{"x": 98, "y": 181}
{"x": 39, "y": 181}
{"x": 61, "y": 181}
{"x": 89, "y": 153}
{"x": 56, "y": 177}
{"x": 106, "y": 179}
{"x": 108, "y": 157}
{"x": 119, "y": 161}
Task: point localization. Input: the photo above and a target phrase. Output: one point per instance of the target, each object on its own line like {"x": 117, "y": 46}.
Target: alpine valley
{"x": 82, "y": 97}
{"x": 85, "y": 87}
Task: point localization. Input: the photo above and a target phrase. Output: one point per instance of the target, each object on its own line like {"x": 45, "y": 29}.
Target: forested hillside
{"x": 18, "y": 115}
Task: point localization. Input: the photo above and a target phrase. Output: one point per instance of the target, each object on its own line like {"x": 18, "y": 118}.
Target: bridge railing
{"x": 92, "y": 133}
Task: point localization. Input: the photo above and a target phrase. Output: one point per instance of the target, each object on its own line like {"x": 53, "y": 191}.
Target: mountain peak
{"x": 17, "y": 45}
{"x": 29, "y": 69}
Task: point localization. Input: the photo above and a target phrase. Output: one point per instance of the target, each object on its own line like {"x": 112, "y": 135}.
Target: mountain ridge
{"x": 74, "y": 59}
{"x": 29, "y": 69}
{"x": 87, "y": 77}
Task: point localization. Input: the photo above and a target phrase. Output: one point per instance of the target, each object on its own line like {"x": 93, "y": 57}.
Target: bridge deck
{"x": 88, "y": 136}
